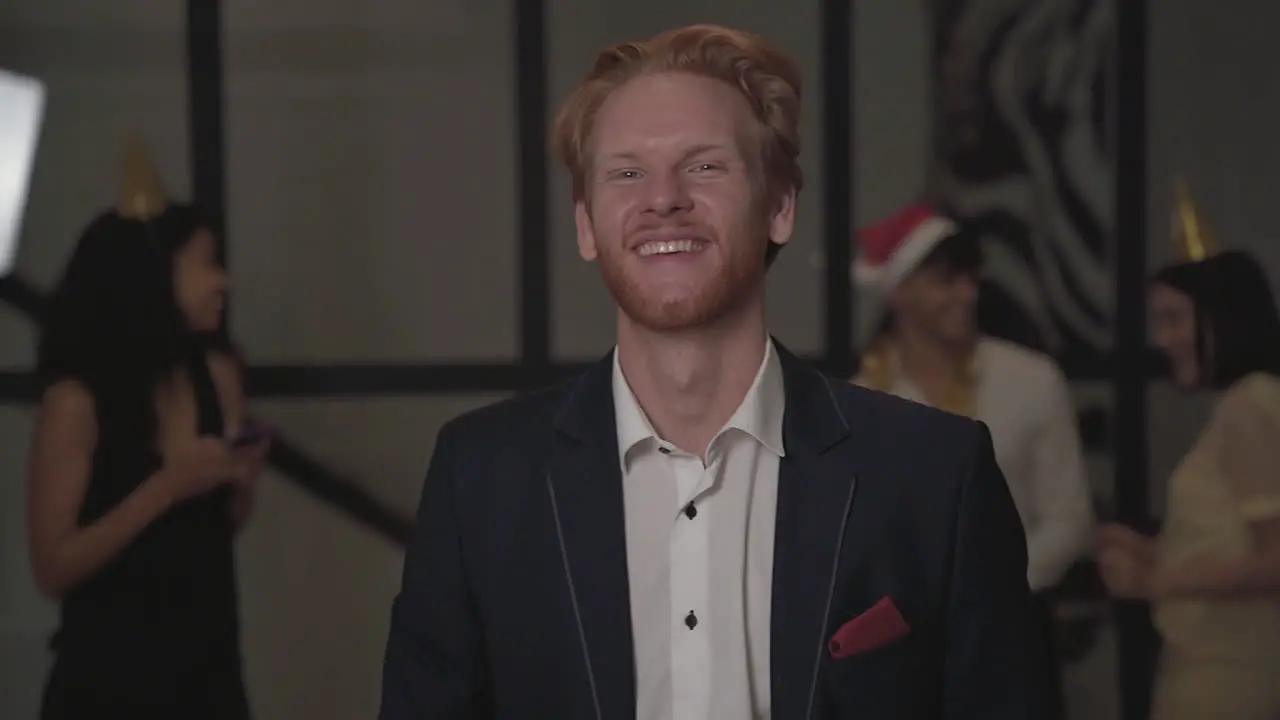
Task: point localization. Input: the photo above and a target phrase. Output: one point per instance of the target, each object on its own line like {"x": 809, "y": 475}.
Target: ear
{"x": 783, "y": 221}
{"x": 586, "y": 233}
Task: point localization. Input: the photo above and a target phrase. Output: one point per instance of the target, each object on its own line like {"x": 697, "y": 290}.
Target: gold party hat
{"x": 1193, "y": 239}
{"x": 141, "y": 195}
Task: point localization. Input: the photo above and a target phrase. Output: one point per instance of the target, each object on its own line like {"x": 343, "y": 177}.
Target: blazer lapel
{"x": 816, "y": 486}
{"x": 585, "y": 487}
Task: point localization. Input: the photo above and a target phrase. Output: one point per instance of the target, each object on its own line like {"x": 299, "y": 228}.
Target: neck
{"x": 930, "y": 361}
{"x": 689, "y": 383}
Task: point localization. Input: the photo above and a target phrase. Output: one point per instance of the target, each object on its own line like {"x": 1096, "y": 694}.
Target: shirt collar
{"x": 760, "y": 414}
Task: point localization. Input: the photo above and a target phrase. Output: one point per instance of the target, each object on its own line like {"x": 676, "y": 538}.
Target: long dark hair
{"x": 1237, "y": 325}
{"x": 114, "y": 323}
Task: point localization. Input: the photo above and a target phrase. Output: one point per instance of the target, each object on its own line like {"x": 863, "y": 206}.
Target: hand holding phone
{"x": 251, "y": 436}
{"x": 204, "y": 464}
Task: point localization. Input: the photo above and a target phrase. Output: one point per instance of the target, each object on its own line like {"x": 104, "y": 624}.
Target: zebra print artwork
{"x": 1023, "y": 152}
{"x": 1022, "y": 138}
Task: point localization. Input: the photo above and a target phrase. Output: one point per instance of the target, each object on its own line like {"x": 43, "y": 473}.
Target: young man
{"x": 918, "y": 273}
{"x": 701, "y": 526}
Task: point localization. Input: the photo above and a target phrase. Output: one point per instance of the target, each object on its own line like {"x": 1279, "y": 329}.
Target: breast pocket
{"x": 890, "y": 682}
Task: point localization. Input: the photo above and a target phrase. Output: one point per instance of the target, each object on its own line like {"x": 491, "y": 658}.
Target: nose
{"x": 1162, "y": 340}
{"x": 666, "y": 194}
{"x": 965, "y": 289}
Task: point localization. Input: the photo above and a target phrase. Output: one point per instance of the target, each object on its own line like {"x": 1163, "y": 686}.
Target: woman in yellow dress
{"x": 1213, "y": 573}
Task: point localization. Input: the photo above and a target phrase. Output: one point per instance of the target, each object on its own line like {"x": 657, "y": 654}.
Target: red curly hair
{"x": 764, "y": 76}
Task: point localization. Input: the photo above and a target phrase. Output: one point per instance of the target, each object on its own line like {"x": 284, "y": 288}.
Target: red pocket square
{"x": 880, "y": 625}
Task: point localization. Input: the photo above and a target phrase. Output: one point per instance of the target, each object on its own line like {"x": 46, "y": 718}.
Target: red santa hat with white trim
{"x": 888, "y": 252}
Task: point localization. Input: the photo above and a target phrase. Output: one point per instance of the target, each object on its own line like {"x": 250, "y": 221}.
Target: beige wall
{"x": 316, "y": 589}
{"x": 372, "y": 179}
{"x": 891, "y": 105}
{"x": 371, "y": 152}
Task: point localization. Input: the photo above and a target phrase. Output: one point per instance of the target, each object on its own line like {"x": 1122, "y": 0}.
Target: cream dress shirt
{"x": 700, "y": 556}
{"x": 1025, "y": 402}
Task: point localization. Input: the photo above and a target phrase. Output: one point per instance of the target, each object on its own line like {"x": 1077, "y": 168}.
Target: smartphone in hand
{"x": 250, "y": 436}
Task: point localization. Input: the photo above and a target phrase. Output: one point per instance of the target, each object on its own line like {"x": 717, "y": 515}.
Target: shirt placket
{"x": 690, "y": 608}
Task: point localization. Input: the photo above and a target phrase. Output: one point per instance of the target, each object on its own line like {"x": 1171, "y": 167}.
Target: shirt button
{"x": 691, "y": 620}
{"x": 664, "y": 450}
{"x": 690, "y": 511}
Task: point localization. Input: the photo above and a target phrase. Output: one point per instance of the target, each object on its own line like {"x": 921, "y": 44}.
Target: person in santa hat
{"x": 917, "y": 274}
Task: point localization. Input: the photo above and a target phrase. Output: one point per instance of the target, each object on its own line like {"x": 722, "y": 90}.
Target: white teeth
{"x": 667, "y": 248}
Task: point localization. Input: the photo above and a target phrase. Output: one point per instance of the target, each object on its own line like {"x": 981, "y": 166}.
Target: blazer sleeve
{"x": 434, "y": 665}
{"x": 995, "y": 659}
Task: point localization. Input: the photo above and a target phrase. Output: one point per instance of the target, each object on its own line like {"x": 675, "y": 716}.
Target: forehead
{"x": 933, "y": 273}
{"x": 669, "y": 112}
{"x": 202, "y": 243}
{"x": 1166, "y": 296}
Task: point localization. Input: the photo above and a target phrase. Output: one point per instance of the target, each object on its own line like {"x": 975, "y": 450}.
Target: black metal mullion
{"x": 206, "y": 112}
{"x": 1135, "y": 635}
{"x": 363, "y": 380}
{"x": 22, "y": 296}
{"x": 205, "y": 117}
{"x": 532, "y": 235}
{"x": 837, "y": 165}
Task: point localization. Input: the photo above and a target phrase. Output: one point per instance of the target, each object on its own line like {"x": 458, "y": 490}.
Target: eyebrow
{"x": 684, "y": 157}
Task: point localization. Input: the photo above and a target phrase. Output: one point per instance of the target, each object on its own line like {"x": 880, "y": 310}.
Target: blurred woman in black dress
{"x": 135, "y": 488}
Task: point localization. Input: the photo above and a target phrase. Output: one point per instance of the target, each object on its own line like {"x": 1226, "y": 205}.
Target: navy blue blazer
{"x": 515, "y": 603}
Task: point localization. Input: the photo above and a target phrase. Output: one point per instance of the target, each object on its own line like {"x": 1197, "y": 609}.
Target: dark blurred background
{"x": 401, "y": 245}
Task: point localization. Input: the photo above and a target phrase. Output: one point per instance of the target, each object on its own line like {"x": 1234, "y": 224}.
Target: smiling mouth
{"x": 671, "y": 247}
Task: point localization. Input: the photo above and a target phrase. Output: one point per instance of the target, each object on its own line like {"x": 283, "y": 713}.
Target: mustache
{"x": 661, "y": 232}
